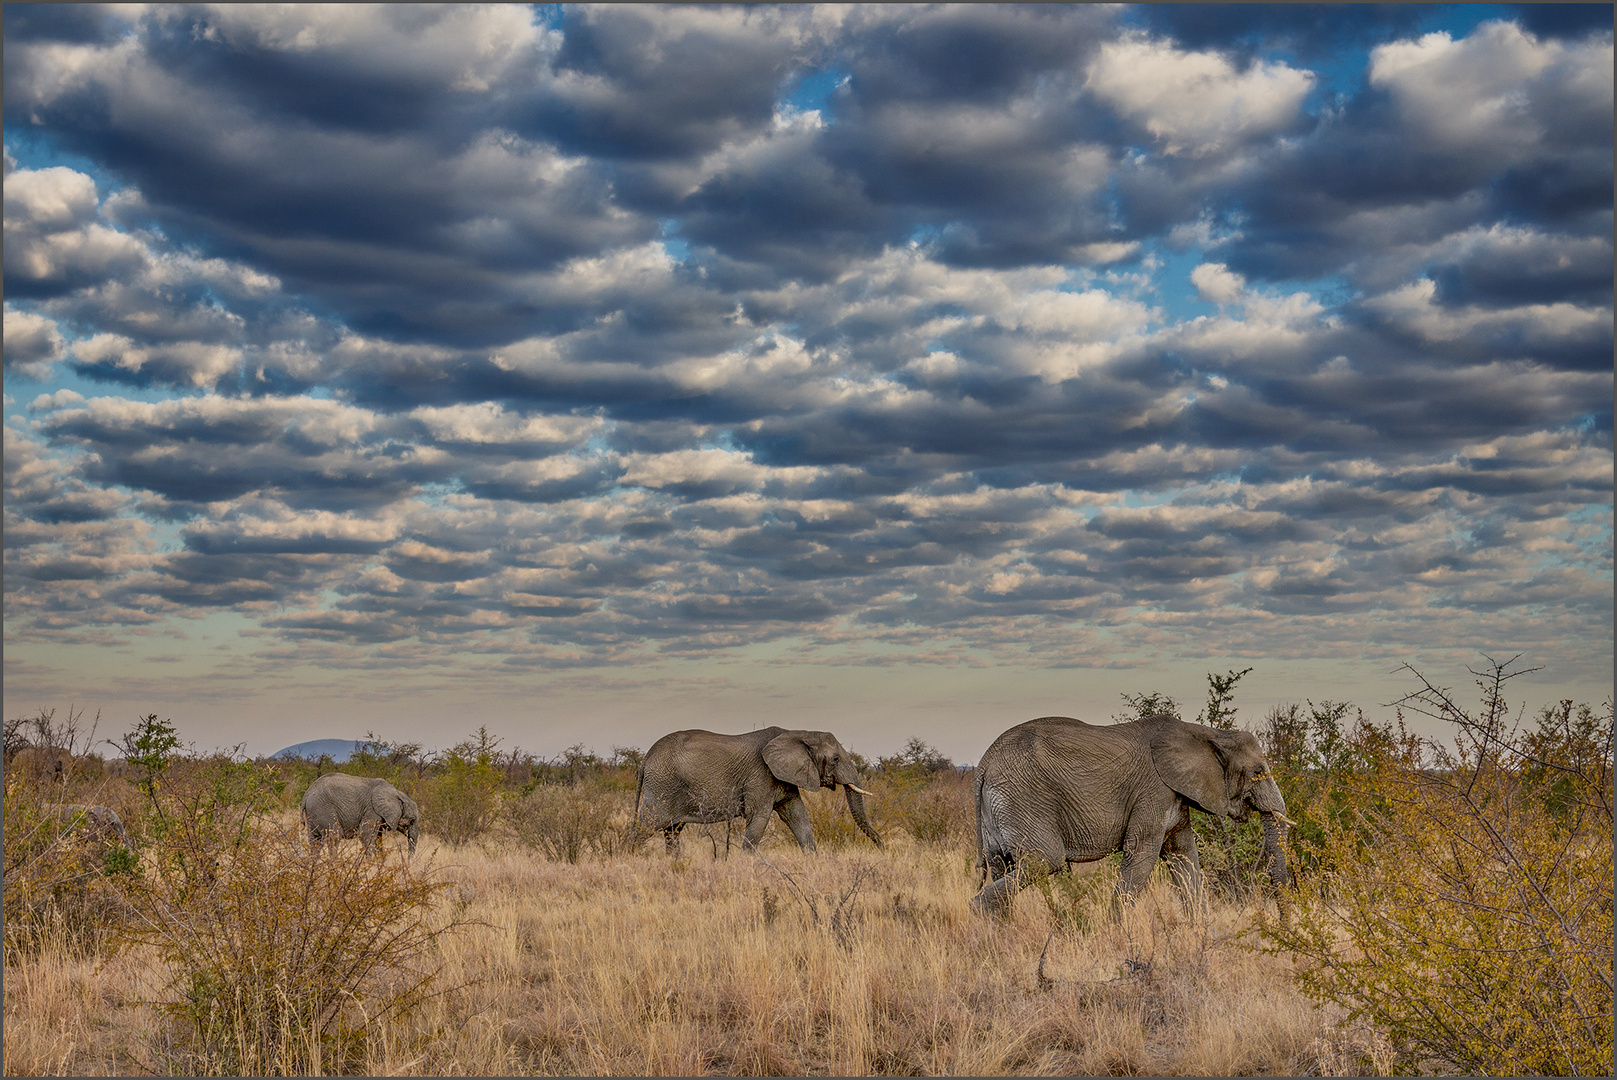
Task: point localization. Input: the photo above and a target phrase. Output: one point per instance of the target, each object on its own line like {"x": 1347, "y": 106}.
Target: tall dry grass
{"x": 856, "y": 961}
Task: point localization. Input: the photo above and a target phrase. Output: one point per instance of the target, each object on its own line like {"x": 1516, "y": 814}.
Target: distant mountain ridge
{"x": 339, "y": 750}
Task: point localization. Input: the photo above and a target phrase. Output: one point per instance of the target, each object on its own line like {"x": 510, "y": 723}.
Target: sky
{"x": 589, "y": 373}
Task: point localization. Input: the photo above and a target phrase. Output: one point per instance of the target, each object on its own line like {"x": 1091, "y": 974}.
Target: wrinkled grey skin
{"x": 99, "y": 822}
{"x": 339, "y": 805}
{"x": 703, "y": 777}
{"x": 1070, "y": 792}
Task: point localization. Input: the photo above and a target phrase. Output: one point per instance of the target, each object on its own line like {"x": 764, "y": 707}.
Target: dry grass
{"x": 857, "y": 961}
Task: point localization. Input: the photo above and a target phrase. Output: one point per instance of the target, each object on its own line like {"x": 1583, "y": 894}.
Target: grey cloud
{"x": 574, "y": 344}
{"x": 33, "y": 344}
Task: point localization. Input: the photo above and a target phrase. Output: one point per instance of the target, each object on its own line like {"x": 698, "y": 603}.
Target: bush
{"x": 462, "y": 800}
{"x": 1464, "y": 905}
{"x": 62, "y": 882}
{"x": 568, "y": 822}
{"x": 281, "y": 954}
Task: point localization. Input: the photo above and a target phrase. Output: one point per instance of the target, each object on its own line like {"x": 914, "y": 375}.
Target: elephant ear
{"x": 1192, "y": 764}
{"x": 788, "y": 757}
{"x": 385, "y": 801}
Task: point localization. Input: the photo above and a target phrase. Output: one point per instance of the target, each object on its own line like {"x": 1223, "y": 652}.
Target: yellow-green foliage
{"x": 1464, "y": 906}
{"x": 461, "y": 800}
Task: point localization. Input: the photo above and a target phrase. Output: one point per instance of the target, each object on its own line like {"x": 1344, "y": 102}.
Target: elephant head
{"x": 811, "y": 760}
{"x": 1223, "y": 773}
{"x": 398, "y": 811}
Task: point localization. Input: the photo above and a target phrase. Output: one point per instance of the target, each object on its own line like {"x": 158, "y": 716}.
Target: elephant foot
{"x": 994, "y": 901}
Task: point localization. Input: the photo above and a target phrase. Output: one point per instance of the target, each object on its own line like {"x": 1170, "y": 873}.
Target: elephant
{"x": 704, "y": 777}
{"x": 97, "y": 822}
{"x": 339, "y": 805}
{"x": 1070, "y": 792}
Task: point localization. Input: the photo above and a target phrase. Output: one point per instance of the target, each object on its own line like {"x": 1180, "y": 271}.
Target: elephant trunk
{"x": 1272, "y": 809}
{"x": 856, "y": 807}
{"x": 413, "y": 834}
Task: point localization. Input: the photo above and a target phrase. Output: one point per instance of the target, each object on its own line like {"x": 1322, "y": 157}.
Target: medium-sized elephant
{"x": 339, "y": 805}
{"x": 1068, "y": 792}
{"x": 100, "y": 823}
{"x": 703, "y": 777}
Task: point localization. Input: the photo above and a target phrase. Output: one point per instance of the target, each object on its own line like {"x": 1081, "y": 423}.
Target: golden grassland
{"x": 855, "y": 961}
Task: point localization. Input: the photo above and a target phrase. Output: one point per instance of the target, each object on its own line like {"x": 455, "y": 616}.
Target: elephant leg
{"x": 795, "y": 815}
{"x": 1140, "y": 853}
{"x": 756, "y": 824}
{"x": 1185, "y": 865}
{"x": 994, "y": 900}
{"x": 370, "y": 832}
{"x": 671, "y": 837}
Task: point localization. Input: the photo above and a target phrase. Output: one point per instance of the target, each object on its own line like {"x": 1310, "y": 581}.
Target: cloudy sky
{"x": 594, "y": 372}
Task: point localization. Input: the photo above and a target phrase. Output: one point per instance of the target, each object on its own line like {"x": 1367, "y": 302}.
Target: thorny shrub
{"x": 62, "y": 887}
{"x": 1464, "y": 905}
{"x": 568, "y": 822}
{"x": 60, "y": 873}
{"x": 280, "y": 953}
{"x": 283, "y": 954}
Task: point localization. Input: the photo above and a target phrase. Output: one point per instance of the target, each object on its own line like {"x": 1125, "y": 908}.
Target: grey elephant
{"x": 100, "y": 823}
{"x": 704, "y": 777}
{"x": 1070, "y": 792}
{"x": 339, "y": 805}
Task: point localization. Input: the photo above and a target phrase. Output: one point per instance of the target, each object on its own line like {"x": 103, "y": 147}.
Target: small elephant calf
{"x": 338, "y": 805}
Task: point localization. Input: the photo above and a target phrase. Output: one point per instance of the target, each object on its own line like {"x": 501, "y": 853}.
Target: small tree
{"x": 463, "y": 800}
{"x": 1220, "y": 710}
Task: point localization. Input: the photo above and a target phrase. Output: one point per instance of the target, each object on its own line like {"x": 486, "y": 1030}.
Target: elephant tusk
{"x": 860, "y": 790}
{"x": 1284, "y": 818}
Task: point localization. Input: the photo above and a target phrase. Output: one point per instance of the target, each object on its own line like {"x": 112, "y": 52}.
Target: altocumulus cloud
{"x": 515, "y": 338}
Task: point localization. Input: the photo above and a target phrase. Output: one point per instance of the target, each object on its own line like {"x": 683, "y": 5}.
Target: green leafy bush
{"x": 1463, "y": 903}
{"x": 461, "y": 800}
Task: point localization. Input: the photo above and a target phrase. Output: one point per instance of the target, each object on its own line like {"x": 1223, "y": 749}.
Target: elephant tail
{"x": 639, "y": 786}
{"x": 977, "y": 801}
{"x": 994, "y": 852}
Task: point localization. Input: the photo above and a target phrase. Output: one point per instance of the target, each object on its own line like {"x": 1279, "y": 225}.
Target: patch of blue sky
{"x": 65, "y": 377}
{"x": 1331, "y": 290}
{"x": 678, "y": 248}
{"x": 436, "y": 493}
{"x": 1172, "y": 288}
{"x": 812, "y": 91}
{"x": 549, "y": 16}
{"x": 38, "y": 150}
{"x": 1458, "y": 20}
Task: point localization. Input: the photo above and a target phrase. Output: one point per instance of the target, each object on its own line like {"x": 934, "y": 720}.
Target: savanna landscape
{"x": 860, "y": 539}
{"x": 1450, "y": 910}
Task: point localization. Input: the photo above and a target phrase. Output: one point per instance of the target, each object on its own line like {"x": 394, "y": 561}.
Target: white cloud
{"x": 1413, "y": 308}
{"x": 1218, "y": 283}
{"x": 1475, "y": 92}
{"x": 1196, "y": 103}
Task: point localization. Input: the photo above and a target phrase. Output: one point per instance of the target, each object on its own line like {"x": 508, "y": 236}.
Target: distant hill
{"x": 339, "y": 749}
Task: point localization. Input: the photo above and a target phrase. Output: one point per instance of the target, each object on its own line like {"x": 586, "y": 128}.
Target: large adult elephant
{"x": 1066, "y": 792}
{"x": 703, "y": 777}
{"x": 339, "y": 805}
